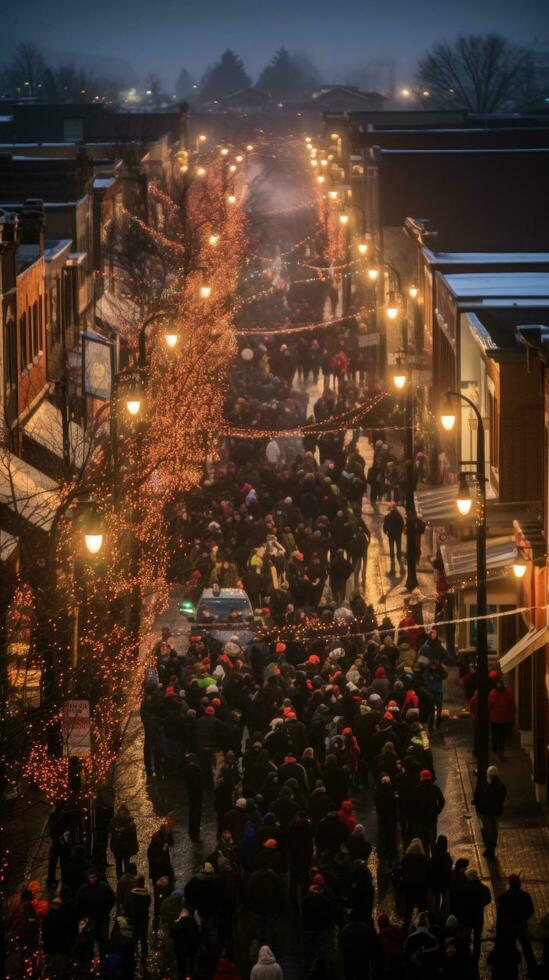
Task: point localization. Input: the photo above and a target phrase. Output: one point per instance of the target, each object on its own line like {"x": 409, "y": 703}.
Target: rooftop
{"x": 485, "y": 258}
{"x": 500, "y": 285}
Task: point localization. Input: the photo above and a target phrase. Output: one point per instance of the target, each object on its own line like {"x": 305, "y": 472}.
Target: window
{"x": 35, "y": 340}
{"x": 493, "y": 423}
{"x": 23, "y": 348}
{"x": 73, "y": 130}
{"x": 10, "y": 336}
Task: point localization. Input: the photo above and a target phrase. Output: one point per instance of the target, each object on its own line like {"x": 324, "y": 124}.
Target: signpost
{"x": 76, "y": 728}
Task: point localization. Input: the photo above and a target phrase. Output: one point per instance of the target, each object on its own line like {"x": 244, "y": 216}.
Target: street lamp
{"x": 133, "y": 396}
{"x": 232, "y": 168}
{"x": 413, "y": 291}
{"x": 224, "y": 151}
{"x": 201, "y": 171}
{"x": 344, "y": 218}
{"x": 231, "y": 199}
{"x": 373, "y": 273}
{"x": 464, "y": 504}
{"x": 392, "y": 309}
{"x": 92, "y": 527}
{"x": 362, "y": 248}
{"x": 314, "y": 162}
{"x": 213, "y": 239}
{"x": 171, "y": 337}
{"x": 402, "y": 382}
{"x": 205, "y": 291}
{"x": 332, "y": 195}
{"x": 320, "y": 179}
{"x": 239, "y": 158}
{"x": 520, "y": 565}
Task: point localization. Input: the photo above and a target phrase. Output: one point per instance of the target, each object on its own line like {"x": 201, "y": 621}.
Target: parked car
{"x": 224, "y": 613}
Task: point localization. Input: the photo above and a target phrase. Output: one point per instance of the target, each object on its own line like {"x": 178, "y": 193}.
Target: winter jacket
{"x": 490, "y": 797}
{"x": 123, "y": 837}
{"x": 393, "y": 523}
{"x": 266, "y": 967}
{"x": 265, "y": 892}
{"x": 501, "y": 706}
{"x": 95, "y": 901}
{"x": 427, "y": 803}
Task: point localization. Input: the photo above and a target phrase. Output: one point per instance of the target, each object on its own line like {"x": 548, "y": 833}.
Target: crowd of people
{"x": 286, "y": 735}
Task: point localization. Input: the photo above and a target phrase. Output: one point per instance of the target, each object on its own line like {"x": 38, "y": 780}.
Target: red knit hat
{"x": 270, "y": 842}
{"x": 210, "y": 710}
{"x": 319, "y": 879}
{"x": 313, "y": 659}
{"x": 280, "y": 647}
{"x": 425, "y": 776}
{"x": 347, "y": 731}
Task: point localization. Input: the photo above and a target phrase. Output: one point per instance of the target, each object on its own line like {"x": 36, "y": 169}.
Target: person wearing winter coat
{"x": 123, "y": 839}
{"x": 158, "y": 854}
{"x": 514, "y": 910}
{"x": 358, "y": 846}
{"x": 427, "y": 803}
{"x": 440, "y": 870}
{"x": 138, "y": 914}
{"x": 489, "y": 799}
{"x": 340, "y": 569}
{"x": 391, "y": 942}
{"x": 501, "y": 711}
{"x": 300, "y": 846}
{"x": 413, "y": 879}
{"x": 359, "y": 944}
{"x": 386, "y": 805}
{"x": 194, "y": 784}
{"x": 318, "y": 914}
{"x": 266, "y": 899}
{"x": 94, "y": 901}
{"x": 476, "y": 896}
{"x": 266, "y": 967}
{"x": 185, "y": 936}
{"x": 393, "y": 526}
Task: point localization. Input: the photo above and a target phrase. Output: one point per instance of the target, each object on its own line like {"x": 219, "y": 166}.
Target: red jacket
{"x": 501, "y": 706}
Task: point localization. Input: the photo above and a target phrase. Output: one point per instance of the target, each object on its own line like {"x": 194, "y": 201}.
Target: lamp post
{"x": 402, "y": 381}
{"x": 464, "y": 503}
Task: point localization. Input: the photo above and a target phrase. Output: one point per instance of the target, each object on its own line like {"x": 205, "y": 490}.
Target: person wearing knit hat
{"x": 427, "y": 804}
{"x": 280, "y": 648}
{"x": 270, "y": 843}
{"x": 210, "y": 710}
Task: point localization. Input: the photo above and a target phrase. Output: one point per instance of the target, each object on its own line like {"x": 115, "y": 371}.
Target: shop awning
{"x": 437, "y": 505}
{"x": 523, "y": 648}
{"x": 27, "y": 492}
{"x": 45, "y": 427}
{"x": 460, "y": 560}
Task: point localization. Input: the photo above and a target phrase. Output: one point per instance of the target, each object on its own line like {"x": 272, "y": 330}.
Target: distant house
{"x": 245, "y": 100}
{"x": 347, "y": 98}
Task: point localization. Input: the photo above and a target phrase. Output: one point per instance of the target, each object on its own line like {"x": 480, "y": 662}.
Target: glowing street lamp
{"x": 520, "y": 565}
{"x": 91, "y": 523}
{"x": 447, "y": 415}
{"x": 231, "y": 198}
{"x": 362, "y": 248}
{"x": 201, "y": 171}
{"x": 249, "y": 148}
{"x": 332, "y": 195}
{"x": 463, "y": 500}
{"x": 314, "y": 163}
{"x": 323, "y": 162}
{"x": 205, "y": 291}
{"x": 224, "y": 151}
{"x": 392, "y": 308}
{"x": 232, "y": 168}
{"x": 171, "y": 337}
{"x": 373, "y": 273}
{"x": 213, "y": 239}
{"x": 399, "y": 375}
{"x": 344, "y": 218}
{"x": 412, "y": 292}
{"x": 320, "y": 179}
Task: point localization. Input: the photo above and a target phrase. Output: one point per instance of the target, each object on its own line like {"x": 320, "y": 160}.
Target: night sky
{"x": 164, "y": 35}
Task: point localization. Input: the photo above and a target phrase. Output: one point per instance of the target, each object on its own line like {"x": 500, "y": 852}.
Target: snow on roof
{"x": 381, "y": 150}
{"x": 485, "y": 258}
{"x": 27, "y": 491}
{"x": 499, "y": 284}
{"x": 103, "y": 182}
{"x": 45, "y": 427}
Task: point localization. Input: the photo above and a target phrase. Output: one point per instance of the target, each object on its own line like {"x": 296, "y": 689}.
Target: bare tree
{"x": 27, "y": 73}
{"x": 478, "y": 72}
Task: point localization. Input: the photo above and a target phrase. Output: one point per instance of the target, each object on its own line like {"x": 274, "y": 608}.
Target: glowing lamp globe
{"x": 392, "y": 307}
{"x": 247, "y": 354}
{"x": 232, "y": 168}
{"x": 323, "y": 162}
{"x": 464, "y": 501}
{"x": 412, "y": 292}
{"x": 239, "y": 158}
{"x": 201, "y": 171}
{"x": 447, "y": 415}
{"x": 519, "y": 567}
{"x": 133, "y": 406}
{"x": 224, "y": 151}
{"x": 373, "y": 273}
{"x": 362, "y": 248}
{"x": 249, "y": 148}
{"x": 205, "y": 292}
{"x": 213, "y": 240}
{"x": 203, "y": 137}
{"x": 94, "y": 543}
{"x": 231, "y": 199}
{"x": 344, "y": 219}
{"x": 320, "y": 179}
{"x": 332, "y": 195}
{"x": 171, "y": 340}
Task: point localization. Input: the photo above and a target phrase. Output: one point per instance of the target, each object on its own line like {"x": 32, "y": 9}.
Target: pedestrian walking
{"x": 185, "y": 936}
{"x": 123, "y": 834}
{"x": 194, "y": 784}
{"x": 515, "y": 908}
{"x": 94, "y": 902}
{"x": 393, "y": 526}
{"x": 476, "y": 896}
{"x": 489, "y": 799}
{"x": 139, "y": 905}
{"x": 428, "y": 803}
{"x": 266, "y": 967}
{"x": 501, "y": 710}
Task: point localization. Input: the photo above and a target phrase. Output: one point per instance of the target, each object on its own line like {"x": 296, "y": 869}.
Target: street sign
{"x": 368, "y": 340}
{"x": 76, "y": 728}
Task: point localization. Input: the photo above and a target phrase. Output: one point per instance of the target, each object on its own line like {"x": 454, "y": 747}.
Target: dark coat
{"x": 490, "y": 797}
{"x": 95, "y": 901}
{"x": 265, "y": 892}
